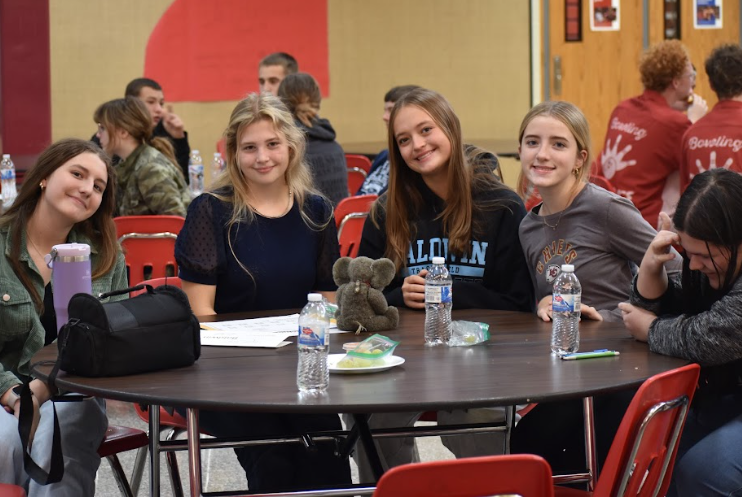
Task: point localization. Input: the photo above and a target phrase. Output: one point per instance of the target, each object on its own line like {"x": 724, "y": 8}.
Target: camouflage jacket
{"x": 148, "y": 183}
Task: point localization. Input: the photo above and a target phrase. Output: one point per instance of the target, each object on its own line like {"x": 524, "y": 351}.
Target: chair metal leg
{"x": 119, "y": 476}
{"x": 136, "y": 473}
{"x": 172, "y": 464}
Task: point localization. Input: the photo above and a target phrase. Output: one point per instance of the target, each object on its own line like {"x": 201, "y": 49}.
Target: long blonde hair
{"x": 403, "y": 201}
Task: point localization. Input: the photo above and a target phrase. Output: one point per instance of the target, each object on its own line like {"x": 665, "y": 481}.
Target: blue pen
{"x": 591, "y": 355}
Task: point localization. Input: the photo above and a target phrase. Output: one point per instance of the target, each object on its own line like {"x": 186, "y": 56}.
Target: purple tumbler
{"x": 70, "y": 263}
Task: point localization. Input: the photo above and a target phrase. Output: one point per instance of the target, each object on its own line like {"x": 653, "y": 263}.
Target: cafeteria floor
{"x": 221, "y": 470}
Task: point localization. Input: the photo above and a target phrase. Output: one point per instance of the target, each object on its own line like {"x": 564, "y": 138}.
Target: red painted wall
{"x": 25, "y": 83}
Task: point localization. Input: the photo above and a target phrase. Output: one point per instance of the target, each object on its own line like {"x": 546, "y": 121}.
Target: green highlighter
{"x": 590, "y": 355}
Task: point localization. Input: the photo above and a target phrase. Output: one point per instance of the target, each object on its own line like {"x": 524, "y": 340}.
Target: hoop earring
{"x": 576, "y": 172}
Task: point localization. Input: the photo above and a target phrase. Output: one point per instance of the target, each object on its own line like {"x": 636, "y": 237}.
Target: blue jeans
{"x": 709, "y": 460}
{"x": 82, "y": 426}
{"x": 280, "y": 467}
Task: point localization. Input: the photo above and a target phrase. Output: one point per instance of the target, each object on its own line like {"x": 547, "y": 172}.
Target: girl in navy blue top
{"x": 262, "y": 239}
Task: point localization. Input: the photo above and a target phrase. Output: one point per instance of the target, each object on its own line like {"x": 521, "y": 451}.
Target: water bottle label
{"x": 7, "y": 174}
{"x": 565, "y": 303}
{"x": 311, "y": 337}
{"x": 438, "y": 294}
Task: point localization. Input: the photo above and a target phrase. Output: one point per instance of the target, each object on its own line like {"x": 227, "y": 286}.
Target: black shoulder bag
{"x": 152, "y": 331}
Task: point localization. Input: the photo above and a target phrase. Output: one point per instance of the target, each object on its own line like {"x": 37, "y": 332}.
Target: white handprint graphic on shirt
{"x": 612, "y": 159}
{"x": 712, "y": 164}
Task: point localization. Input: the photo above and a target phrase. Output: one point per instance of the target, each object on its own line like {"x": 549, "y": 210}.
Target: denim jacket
{"x": 21, "y": 332}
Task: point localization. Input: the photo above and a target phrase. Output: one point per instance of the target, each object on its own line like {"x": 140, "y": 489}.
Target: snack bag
{"x": 369, "y": 352}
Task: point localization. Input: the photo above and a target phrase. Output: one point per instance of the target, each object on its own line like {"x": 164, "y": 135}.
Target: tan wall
{"x": 475, "y": 52}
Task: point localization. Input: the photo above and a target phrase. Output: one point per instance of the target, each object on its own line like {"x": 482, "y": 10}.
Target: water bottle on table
{"x": 313, "y": 343}
{"x": 7, "y": 181}
{"x": 196, "y": 173}
{"x": 438, "y": 303}
{"x": 70, "y": 264}
{"x": 565, "y": 312}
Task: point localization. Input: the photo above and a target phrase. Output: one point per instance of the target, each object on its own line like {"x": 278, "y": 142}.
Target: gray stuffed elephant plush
{"x": 361, "y": 305}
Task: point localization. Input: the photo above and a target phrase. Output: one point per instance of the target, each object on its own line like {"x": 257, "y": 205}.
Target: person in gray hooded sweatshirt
{"x": 300, "y": 92}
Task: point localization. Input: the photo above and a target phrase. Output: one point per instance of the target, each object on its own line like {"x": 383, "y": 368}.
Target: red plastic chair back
{"x": 167, "y": 280}
{"x": 221, "y": 147}
{"x": 642, "y": 455}
{"x": 7, "y": 490}
{"x": 149, "y": 244}
{"x": 360, "y": 161}
{"x": 356, "y": 177}
{"x": 359, "y": 203}
{"x": 519, "y": 474}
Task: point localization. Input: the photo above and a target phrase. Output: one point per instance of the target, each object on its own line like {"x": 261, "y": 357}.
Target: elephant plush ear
{"x": 383, "y": 273}
{"x": 340, "y": 271}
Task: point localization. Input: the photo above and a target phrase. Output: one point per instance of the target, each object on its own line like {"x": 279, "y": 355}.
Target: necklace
{"x": 559, "y": 219}
{"x": 290, "y": 203}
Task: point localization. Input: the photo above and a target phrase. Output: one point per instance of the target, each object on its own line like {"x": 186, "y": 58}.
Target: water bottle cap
{"x": 439, "y": 260}
{"x": 568, "y": 268}
{"x": 6, "y": 156}
{"x": 72, "y": 249}
{"x": 314, "y": 297}
{"x": 194, "y": 152}
{"x": 218, "y": 154}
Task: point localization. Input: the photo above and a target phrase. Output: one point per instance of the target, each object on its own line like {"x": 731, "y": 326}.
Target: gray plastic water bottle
{"x": 565, "y": 312}
{"x": 313, "y": 343}
{"x": 438, "y": 303}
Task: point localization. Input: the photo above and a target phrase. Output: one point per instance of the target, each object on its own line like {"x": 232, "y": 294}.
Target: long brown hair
{"x": 403, "y": 201}
{"x": 131, "y": 115}
{"x": 300, "y": 92}
{"x": 99, "y": 227}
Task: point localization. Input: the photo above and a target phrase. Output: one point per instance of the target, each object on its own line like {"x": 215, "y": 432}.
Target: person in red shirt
{"x": 716, "y": 140}
{"x": 641, "y": 152}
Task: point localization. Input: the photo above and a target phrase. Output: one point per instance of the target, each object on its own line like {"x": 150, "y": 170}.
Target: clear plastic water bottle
{"x": 565, "y": 312}
{"x": 438, "y": 303}
{"x": 7, "y": 181}
{"x": 313, "y": 343}
{"x": 196, "y": 173}
{"x": 217, "y": 165}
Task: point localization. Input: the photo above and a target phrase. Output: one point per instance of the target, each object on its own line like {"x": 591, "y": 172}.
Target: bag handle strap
{"x": 25, "y": 424}
{"x": 126, "y": 290}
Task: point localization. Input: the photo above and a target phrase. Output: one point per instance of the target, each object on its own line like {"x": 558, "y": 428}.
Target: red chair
{"x": 167, "y": 280}
{"x": 122, "y": 439}
{"x": 519, "y": 474}
{"x": 350, "y": 215}
{"x": 221, "y": 147}
{"x": 356, "y": 177}
{"x": 642, "y": 455}
{"x": 149, "y": 245}
{"x": 359, "y": 203}
{"x": 7, "y": 490}
{"x": 360, "y": 161}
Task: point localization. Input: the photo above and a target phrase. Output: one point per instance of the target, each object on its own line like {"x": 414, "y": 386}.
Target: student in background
{"x": 67, "y": 197}
{"x": 263, "y": 239}
{"x": 273, "y": 69}
{"x": 715, "y": 140}
{"x": 149, "y": 182}
{"x": 440, "y": 203}
{"x": 697, "y": 317}
{"x": 378, "y": 177}
{"x": 325, "y": 157}
{"x": 165, "y": 123}
{"x": 641, "y": 155}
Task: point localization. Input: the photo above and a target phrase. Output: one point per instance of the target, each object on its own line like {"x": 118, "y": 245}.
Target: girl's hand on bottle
{"x": 637, "y": 320}
{"x": 660, "y": 250}
{"x": 413, "y": 290}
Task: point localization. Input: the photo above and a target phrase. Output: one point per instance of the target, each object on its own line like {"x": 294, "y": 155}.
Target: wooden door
{"x": 699, "y": 42}
{"x": 597, "y": 72}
